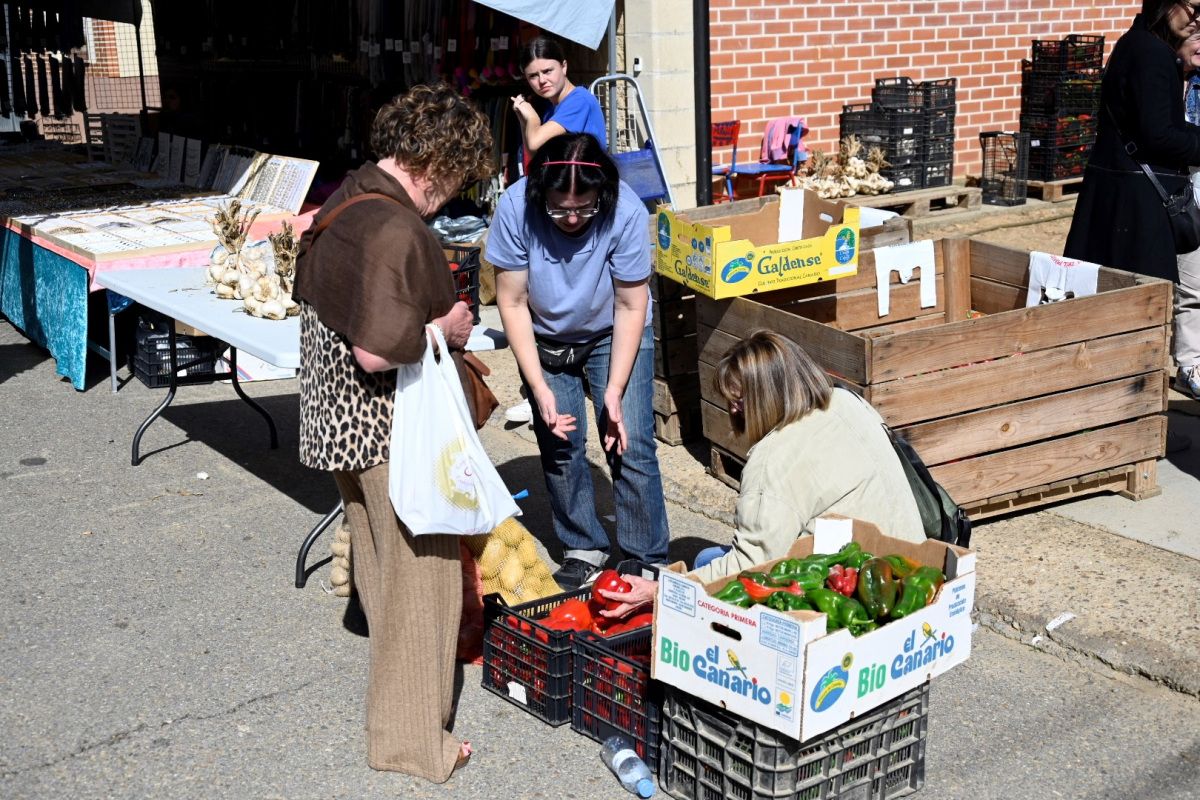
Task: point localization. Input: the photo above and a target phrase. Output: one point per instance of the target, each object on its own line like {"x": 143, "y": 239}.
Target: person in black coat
{"x": 1119, "y": 218}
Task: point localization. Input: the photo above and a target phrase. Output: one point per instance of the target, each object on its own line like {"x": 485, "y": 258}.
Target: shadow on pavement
{"x": 18, "y": 358}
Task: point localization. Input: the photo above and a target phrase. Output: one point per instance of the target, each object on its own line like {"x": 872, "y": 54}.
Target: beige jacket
{"x": 836, "y": 461}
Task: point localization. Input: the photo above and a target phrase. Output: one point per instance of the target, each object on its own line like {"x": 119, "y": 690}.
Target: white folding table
{"x": 181, "y": 294}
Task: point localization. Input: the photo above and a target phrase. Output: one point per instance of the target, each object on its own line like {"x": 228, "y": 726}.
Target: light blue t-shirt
{"x": 579, "y": 112}
{"x": 571, "y": 291}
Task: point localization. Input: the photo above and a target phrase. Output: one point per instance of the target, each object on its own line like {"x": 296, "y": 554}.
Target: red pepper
{"x": 574, "y": 612}
{"x": 843, "y": 580}
{"x": 610, "y": 581}
{"x": 758, "y": 592}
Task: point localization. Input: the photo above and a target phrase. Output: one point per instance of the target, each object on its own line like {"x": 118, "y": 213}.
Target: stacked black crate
{"x": 936, "y": 101}
{"x": 1060, "y": 99}
{"x": 913, "y": 123}
{"x": 898, "y": 132}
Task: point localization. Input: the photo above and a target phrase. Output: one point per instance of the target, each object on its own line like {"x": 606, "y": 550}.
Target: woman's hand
{"x": 614, "y": 431}
{"x": 559, "y": 424}
{"x": 640, "y": 594}
{"x": 523, "y": 107}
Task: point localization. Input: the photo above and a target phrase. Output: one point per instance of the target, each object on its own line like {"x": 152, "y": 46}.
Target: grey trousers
{"x": 1187, "y": 311}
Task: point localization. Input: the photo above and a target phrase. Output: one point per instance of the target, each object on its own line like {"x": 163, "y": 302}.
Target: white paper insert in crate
{"x": 783, "y": 670}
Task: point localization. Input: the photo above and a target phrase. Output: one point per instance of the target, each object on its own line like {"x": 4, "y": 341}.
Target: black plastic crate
{"x": 613, "y": 691}
{"x": 195, "y": 356}
{"x": 529, "y": 664}
{"x": 1056, "y": 163}
{"x": 1061, "y": 131}
{"x": 905, "y": 93}
{"x": 1075, "y": 52}
{"x": 938, "y": 123}
{"x": 938, "y": 148}
{"x": 464, "y": 264}
{"x": 1005, "y": 177}
{"x": 1055, "y": 94}
{"x": 937, "y": 173}
{"x": 710, "y": 754}
{"x": 900, "y": 134}
{"x": 525, "y": 662}
{"x": 906, "y": 178}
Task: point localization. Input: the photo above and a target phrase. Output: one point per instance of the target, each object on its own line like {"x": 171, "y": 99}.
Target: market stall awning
{"x": 583, "y": 21}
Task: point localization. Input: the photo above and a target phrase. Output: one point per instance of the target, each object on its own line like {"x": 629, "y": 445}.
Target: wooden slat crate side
{"x": 1105, "y": 481}
{"x": 681, "y": 393}
{"x": 675, "y": 357}
{"x": 718, "y": 431}
{"x": 663, "y": 289}
{"x": 675, "y": 318}
{"x": 679, "y": 428}
{"x": 995, "y": 298}
{"x": 838, "y": 352}
{"x": 1021, "y": 331}
{"x": 1037, "y": 419}
{"x": 1011, "y": 266}
{"x": 864, "y": 279}
{"x": 1019, "y": 377}
{"x": 1042, "y": 463}
{"x": 914, "y": 324}
{"x": 860, "y": 308}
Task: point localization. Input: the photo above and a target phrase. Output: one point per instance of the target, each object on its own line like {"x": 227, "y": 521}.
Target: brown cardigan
{"x": 374, "y": 278}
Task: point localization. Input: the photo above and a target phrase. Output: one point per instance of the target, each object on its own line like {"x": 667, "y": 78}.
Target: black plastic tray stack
{"x": 1060, "y": 99}
{"x": 913, "y": 123}
{"x": 1005, "y": 178}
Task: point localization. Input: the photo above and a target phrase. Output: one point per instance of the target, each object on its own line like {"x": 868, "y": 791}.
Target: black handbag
{"x": 1182, "y": 212}
{"x": 942, "y": 518}
{"x": 559, "y": 355}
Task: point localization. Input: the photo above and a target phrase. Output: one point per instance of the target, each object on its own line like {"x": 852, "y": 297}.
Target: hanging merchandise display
{"x": 43, "y": 80}
{"x": 78, "y": 91}
{"x": 31, "y": 92}
{"x": 56, "y": 90}
{"x": 5, "y": 99}
{"x": 68, "y": 87}
{"x": 18, "y": 87}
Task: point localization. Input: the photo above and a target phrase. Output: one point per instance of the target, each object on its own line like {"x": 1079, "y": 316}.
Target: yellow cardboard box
{"x": 737, "y": 255}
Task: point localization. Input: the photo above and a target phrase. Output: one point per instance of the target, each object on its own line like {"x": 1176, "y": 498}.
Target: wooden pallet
{"x": 1055, "y": 191}
{"x": 725, "y": 466}
{"x": 678, "y": 428}
{"x": 925, "y": 202}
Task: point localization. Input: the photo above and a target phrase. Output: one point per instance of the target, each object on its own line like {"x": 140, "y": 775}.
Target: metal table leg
{"x": 311, "y": 539}
{"x": 237, "y": 387}
{"x": 174, "y": 385}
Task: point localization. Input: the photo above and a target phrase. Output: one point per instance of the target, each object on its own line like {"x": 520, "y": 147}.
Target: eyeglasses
{"x": 578, "y": 213}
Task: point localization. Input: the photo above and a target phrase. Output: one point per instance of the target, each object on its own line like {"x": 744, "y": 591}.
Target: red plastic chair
{"x": 725, "y": 134}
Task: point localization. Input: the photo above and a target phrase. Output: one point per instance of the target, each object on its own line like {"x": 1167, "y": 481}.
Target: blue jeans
{"x": 641, "y": 511}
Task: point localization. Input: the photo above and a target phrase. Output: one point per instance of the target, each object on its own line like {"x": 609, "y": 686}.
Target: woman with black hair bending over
{"x": 571, "y": 247}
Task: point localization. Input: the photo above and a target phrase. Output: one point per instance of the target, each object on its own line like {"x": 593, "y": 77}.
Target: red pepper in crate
{"x": 843, "y": 580}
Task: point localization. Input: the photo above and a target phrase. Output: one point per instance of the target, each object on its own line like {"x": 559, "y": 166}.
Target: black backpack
{"x": 942, "y": 518}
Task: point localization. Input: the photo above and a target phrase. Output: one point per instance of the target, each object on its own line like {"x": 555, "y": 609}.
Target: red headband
{"x": 574, "y": 163}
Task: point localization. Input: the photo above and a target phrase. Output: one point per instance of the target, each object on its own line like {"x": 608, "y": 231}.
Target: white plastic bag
{"x": 440, "y": 479}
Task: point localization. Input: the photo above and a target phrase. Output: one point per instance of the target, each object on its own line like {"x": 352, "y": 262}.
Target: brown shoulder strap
{"x": 328, "y": 219}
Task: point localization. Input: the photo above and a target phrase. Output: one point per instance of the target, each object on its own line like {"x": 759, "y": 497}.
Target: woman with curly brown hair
{"x": 370, "y": 277}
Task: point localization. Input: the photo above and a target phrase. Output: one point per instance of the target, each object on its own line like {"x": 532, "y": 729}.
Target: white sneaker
{"x": 1187, "y": 381}
{"x": 521, "y": 412}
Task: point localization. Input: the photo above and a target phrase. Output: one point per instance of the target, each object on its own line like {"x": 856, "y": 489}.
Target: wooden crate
{"x": 677, "y": 408}
{"x": 1010, "y": 410}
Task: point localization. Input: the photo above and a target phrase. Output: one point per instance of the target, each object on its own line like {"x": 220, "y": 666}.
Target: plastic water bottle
{"x": 619, "y": 756}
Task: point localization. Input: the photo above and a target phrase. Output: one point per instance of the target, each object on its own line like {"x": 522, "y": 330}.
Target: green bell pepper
{"x": 786, "y": 601}
{"x": 919, "y": 590}
{"x": 734, "y": 593}
{"x": 902, "y": 566}
{"x": 877, "y": 587}
{"x": 829, "y": 603}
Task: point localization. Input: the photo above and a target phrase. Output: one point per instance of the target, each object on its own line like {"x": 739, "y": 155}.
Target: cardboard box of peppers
{"x": 855, "y": 589}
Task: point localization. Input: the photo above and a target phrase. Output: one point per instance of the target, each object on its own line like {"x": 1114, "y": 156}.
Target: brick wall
{"x": 104, "y": 42}
{"x": 774, "y": 58}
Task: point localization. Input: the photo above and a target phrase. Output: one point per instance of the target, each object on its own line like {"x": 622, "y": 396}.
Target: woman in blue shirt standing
{"x": 571, "y": 110}
{"x": 571, "y": 247}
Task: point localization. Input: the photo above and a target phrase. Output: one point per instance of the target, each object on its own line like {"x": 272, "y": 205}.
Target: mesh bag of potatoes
{"x": 509, "y": 563}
